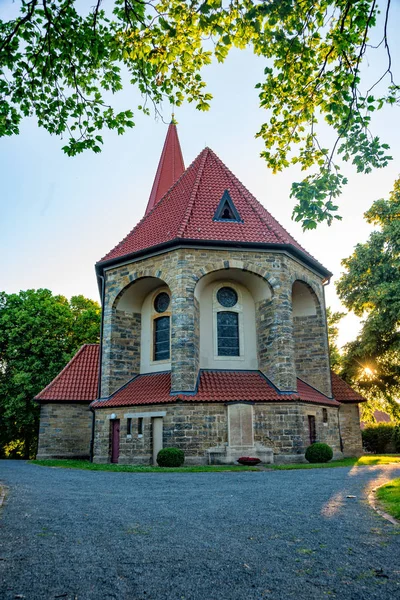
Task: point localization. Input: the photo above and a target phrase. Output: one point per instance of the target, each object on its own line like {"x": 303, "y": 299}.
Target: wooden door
{"x": 114, "y": 440}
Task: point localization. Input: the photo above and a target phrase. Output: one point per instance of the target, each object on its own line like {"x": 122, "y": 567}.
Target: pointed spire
{"x": 170, "y": 167}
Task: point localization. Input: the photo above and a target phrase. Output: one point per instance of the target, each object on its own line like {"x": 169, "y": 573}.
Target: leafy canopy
{"x": 39, "y": 333}
{"x": 64, "y": 65}
{"x": 371, "y": 288}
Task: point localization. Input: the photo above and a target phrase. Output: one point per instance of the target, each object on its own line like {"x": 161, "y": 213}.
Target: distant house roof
{"x": 187, "y": 213}
{"x": 77, "y": 382}
{"x": 380, "y": 417}
{"x": 343, "y": 392}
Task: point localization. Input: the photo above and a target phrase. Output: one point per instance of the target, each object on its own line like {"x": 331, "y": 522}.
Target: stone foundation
{"x": 65, "y": 430}
{"x": 280, "y": 432}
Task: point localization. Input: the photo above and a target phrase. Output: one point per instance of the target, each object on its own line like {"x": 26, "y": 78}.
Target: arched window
{"x": 161, "y": 327}
{"x": 227, "y": 321}
{"x": 228, "y": 333}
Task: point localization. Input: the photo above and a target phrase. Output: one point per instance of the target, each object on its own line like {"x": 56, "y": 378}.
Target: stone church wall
{"x": 65, "y": 430}
{"x": 121, "y": 354}
{"x": 198, "y": 427}
{"x": 350, "y": 429}
{"x": 311, "y": 351}
{"x": 181, "y": 269}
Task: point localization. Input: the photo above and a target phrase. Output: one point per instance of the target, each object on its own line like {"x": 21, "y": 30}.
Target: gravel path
{"x": 203, "y": 536}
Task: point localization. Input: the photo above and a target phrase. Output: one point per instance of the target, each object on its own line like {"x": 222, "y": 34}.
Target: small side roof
{"x": 77, "y": 382}
{"x": 343, "y": 392}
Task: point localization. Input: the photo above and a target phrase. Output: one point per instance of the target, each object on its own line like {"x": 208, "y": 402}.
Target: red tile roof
{"x": 170, "y": 167}
{"x": 214, "y": 386}
{"x": 186, "y": 213}
{"x": 343, "y": 392}
{"x": 78, "y": 380}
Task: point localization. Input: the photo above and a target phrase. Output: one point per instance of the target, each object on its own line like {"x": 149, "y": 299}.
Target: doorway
{"x": 114, "y": 440}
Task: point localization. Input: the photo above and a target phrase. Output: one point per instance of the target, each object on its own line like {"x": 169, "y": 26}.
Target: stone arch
{"x": 130, "y": 280}
{"x": 238, "y": 265}
{"x": 305, "y": 301}
{"x": 254, "y": 293}
{"x": 311, "y": 283}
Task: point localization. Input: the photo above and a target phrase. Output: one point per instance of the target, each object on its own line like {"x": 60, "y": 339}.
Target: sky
{"x": 60, "y": 215}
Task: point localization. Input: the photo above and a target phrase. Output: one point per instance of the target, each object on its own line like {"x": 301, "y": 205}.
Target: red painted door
{"x": 114, "y": 440}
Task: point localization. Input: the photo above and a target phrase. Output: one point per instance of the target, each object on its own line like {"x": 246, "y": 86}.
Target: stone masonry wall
{"x": 121, "y": 355}
{"x": 311, "y": 351}
{"x": 350, "y": 429}
{"x": 65, "y": 430}
{"x": 196, "y": 427}
{"x": 181, "y": 269}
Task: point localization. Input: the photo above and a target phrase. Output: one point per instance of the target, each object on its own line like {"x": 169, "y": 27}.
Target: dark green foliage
{"x": 384, "y": 437}
{"x": 170, "y": 457}
{"x": 370, "y": 287}
{"x": 39, "y": 333}
{"x": 319, "y": 453}
{"x": 396, "y": 438}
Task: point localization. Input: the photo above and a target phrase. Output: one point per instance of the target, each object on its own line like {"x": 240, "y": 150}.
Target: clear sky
{"x": 59, "y": 215}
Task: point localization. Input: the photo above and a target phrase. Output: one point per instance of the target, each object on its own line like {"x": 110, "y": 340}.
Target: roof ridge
{"x": 57, "y": 377}
{"x": 193, "y": 194}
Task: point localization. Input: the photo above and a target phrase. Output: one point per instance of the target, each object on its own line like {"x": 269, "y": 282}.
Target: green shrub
{"x": 380, "y": 438}
{"x": 396, "y": 438}
{"x": 319, "y": 453}
{"x": 170, "y": 457}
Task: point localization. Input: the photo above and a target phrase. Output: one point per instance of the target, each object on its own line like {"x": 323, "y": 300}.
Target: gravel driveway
{"x": 195, "y": 536}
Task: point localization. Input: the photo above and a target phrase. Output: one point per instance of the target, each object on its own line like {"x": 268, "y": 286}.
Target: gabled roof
{"x": 213, "y": 386}
{"x": 170, "y": 167}
{"x": 343, "y": 392}
{"x": 78, "y": 380}
{"x": 186, "y": 212}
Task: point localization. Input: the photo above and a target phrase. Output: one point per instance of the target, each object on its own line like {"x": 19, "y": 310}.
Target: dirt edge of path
{"x": 377, "y": 506}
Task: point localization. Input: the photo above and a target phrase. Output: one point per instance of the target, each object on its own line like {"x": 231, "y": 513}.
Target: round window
{"x": 161, "y": 302}
{"x": 227, "y": 297}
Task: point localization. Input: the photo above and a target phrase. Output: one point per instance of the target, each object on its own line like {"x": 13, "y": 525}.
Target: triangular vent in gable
{"x": 226, "y": 210}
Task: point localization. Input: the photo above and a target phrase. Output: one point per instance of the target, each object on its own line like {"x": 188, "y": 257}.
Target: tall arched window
{"x": 228, "y": 333}
{"x": 161, "y": 327}
{"x": 228, "y": 311}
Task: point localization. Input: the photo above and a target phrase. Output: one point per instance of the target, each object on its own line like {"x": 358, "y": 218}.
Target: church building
{"x": 213, "y": 338}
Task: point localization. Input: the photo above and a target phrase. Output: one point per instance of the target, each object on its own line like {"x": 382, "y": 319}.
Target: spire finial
{"x": 173, "y": 120}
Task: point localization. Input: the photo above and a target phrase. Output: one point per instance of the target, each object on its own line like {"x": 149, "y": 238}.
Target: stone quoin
{"x": 213, "y": 340}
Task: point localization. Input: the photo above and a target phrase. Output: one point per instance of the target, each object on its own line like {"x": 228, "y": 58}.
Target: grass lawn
{"x": 85, "y": 464}
{"x": 363, "y": 461}
{"x": 389, "y": 496}
{"x": 345, "y": 462}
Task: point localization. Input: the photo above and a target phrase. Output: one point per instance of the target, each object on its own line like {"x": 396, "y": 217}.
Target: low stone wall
{"x": 201, "y": 429}
{"x": 65, "y": 430}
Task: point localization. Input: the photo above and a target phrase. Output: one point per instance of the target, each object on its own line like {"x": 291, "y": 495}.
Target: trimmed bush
{"x": 170, "y": 457}
{"x": 319, "y": 453}
{"x": 381, "y": 438}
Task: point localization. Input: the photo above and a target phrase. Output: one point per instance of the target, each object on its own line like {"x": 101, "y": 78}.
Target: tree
{"x": 335, "y": 357}
{"x": 371, "y": 288}
{"x": 64, "y": 67}
{"x": 39, "y": 333}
